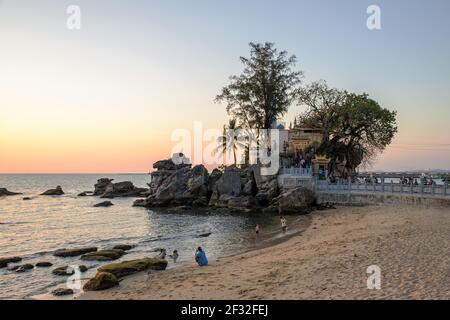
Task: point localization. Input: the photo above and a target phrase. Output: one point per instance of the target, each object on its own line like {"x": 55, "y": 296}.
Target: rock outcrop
{"x": 104, "y": 204}
{"x": 240, "y": 189}
{"x": 177, "y": 185}
{"x": 105, "y": 188}
{"x": 73, "y": 252}
{"x": 244, "y": 189}
{"x": 103, "y": 255}
{"x": 58, "y": 191}
{"x": 101, "y": 281}
{"x": 296, "y": 201}
{"x": 6, "y": 192}
{"x": 5, "y": 261}
{"x": 125, "y": 268}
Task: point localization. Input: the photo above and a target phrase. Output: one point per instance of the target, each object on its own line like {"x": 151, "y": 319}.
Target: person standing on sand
{"x": 200, "y": 257}
{"x": 257, "y": 229}
{"x": 283, "y": 224}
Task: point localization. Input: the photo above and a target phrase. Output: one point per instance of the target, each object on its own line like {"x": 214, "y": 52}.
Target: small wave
{"x": 14, "y": 223}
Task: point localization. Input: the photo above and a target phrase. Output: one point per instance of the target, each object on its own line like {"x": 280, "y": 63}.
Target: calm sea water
{"x": 32, "y": 229}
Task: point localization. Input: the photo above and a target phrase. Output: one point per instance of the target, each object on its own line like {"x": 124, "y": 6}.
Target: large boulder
{"x": 229, "y": 187}
{"x": 123, "y": 189}
{"x": 170, "y": 165}
{"x": 125, "y": 268}
{"x": 101, "y": 185}
{"x": 184, "y": 186}
{"x": 58, "y": 191}
{"x": 267, "y": 192}
{"x": 296, "y": 201}
{"x": 101, "y": 281}
{"x": 6, "y": 192}
{"x": 4, "y": 261}
{"x": 73, "y": 252}
{"x": 105, "y": 188}
{"x": 103, "y": 255}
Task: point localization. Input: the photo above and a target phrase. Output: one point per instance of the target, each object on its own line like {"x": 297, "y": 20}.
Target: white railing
{"x": 437, "y": 190}
{"x": 305, "y": 172}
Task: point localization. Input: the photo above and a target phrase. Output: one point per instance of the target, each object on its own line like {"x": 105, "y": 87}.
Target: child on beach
{"x": 257, "y": 229}
{"x": 175, "y": 255}
{"x": 200, "y": 257}
{"x": 283, "y": 224}
{"x": 162, "y": 254}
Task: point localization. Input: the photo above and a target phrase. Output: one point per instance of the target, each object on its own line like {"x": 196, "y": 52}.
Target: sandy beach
{"x": 329, "y": 260}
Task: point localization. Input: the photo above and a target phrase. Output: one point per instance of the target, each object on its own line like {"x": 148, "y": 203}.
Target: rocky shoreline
{"x": 183, "y": 186}
{"x": 107, "y": 276}
{"x": 239, "y": 189}
{"x": 176, "y": 187}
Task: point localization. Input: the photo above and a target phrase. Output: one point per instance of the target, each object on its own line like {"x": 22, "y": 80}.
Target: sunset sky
{"x": 106, "y": 98}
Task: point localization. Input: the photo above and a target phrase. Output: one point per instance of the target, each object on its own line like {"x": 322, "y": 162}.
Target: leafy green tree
{"x": 264, "y": 90}
{"x": 356, "y": 128}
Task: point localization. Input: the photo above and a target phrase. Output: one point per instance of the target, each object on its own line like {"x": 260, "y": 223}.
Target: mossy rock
{"x": 125, "y": 268}
{"x": 68, "y": 271}
{"x": 25, "y": 267}
{"x": 124, "y": 247}
{"x": 101, "y": 281}
{"x": 63, "y": 271}
{"x": 103, "y": 255}
{"x": 73, "y": 252}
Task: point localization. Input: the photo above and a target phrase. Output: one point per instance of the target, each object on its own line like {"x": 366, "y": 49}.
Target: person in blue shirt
{"x": 200, "y": 257}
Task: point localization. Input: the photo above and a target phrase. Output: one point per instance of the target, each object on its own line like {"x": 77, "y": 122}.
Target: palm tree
{"x": 231, "y": 139}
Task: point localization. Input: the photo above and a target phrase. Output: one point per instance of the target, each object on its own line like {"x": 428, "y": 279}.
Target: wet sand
{"x": 411, "y": 245}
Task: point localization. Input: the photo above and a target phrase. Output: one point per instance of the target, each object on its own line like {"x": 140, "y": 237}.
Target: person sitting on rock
{"x": 200, "y": 257}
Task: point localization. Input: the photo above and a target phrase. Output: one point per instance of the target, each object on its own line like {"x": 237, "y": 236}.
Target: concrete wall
{"x": 356, "y": 199}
